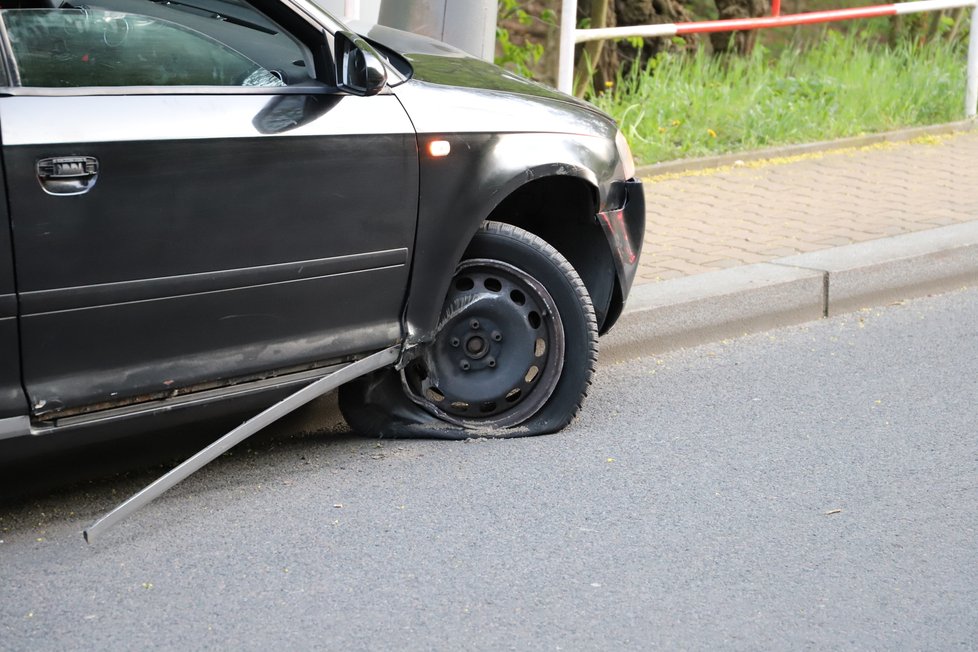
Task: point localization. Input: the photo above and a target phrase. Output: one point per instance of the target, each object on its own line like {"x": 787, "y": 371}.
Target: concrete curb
{"x": 709, "y": 307}
{"x": 709, "y": 162}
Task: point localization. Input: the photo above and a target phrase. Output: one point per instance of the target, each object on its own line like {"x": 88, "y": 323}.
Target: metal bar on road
{"x": 239, "y": 434}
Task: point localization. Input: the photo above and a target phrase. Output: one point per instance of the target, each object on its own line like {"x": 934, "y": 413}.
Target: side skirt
{"x": 159, "y": 406}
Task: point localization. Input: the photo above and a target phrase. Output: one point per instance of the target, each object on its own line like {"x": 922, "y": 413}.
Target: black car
{"x": 212, "y": 203}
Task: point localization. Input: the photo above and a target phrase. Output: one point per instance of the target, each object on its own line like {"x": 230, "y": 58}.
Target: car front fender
{"x": 477, "y": 148}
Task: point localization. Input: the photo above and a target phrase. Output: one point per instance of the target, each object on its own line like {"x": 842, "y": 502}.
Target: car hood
{"x": 439, "y": 63}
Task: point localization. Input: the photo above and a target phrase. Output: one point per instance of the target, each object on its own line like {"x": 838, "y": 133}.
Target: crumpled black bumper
{"x": 625, "y": 229}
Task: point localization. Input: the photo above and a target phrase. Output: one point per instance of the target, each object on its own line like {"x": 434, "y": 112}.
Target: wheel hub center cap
{"x": 498, "y": 351}
{"x": 476, "y": 347}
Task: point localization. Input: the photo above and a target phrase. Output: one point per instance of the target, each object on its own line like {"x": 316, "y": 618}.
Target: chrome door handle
{"x": 68, "y": 175}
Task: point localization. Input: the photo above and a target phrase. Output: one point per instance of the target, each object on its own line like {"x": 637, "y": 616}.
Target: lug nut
{"x": 491, "y": 362}
{"x": 497, "y": 336}
{"x": 474, "y": 324}
{"x": 455, "y": 342}
{"x": 464, "y": 364}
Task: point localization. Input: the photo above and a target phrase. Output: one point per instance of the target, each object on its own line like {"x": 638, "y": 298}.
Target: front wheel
{"x": 513, "y": 354}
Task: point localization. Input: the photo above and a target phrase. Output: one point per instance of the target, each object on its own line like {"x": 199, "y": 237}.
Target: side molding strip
{"x": 14, "y": 427}
{"x": 248, "y": 428}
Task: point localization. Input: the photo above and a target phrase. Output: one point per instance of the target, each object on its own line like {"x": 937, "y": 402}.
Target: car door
{"x": 13, "y": 405}
{"x": 184, "y": 217}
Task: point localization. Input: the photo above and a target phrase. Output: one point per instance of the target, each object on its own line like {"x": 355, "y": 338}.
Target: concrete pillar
{"x": 469, "y": 25}
{"x": 369, "y": 10}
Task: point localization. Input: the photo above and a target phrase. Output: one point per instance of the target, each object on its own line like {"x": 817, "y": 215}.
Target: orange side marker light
{"x": 439, "y": 148}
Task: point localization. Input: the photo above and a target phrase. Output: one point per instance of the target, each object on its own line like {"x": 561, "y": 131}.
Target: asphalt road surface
{"x": 814, "y": 486}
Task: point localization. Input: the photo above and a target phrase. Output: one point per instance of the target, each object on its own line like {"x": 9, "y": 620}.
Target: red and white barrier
{"x": 569, "y": 35}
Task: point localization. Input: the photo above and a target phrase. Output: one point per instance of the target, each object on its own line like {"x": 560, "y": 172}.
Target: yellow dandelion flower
{"x": 712, "y": 133}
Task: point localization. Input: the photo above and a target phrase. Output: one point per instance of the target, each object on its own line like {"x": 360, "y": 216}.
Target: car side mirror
{"x": 359, "y": 69}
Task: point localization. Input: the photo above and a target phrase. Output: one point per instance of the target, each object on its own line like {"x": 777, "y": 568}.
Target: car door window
{"x": 97, "y": 47}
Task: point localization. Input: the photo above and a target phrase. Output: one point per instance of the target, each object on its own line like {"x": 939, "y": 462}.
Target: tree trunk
{"x": 590, "y": 56}
{"x": 618, "y": 57}
{"x": 738, "y": 42}
{"x": 649, "y": 12}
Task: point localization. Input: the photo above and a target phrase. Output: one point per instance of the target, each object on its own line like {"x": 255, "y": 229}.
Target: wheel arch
{"x": 561, "y": 209}
{"x": 504, "y": 177}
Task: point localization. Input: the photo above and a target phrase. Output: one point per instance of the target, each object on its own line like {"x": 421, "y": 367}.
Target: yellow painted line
{"x": 796, "y": 158}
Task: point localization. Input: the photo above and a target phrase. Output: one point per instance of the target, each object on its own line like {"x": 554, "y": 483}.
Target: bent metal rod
{"x": 248, "y": 428}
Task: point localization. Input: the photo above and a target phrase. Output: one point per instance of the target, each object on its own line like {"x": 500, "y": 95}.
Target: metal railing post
{"x": 971, "y": 90}
{"x": 565, "y": 65}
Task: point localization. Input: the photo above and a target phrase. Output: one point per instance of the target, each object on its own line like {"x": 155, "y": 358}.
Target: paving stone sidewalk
{"x": 754, "y": 212}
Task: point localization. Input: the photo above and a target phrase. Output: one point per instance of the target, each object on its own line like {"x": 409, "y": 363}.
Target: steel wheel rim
{"x": 498, "y": 352}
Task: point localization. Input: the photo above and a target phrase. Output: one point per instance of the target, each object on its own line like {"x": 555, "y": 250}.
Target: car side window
{"x": 79, "y": 47}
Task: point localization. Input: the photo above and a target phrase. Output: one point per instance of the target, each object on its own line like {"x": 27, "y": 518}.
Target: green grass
{"x": 699, "y": 105}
